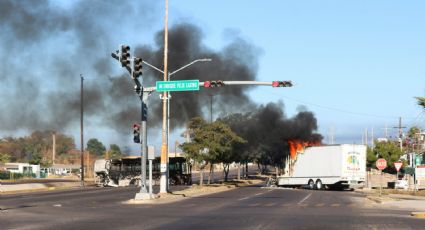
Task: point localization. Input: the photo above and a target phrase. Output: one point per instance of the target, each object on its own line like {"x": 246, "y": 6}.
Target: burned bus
{"x": 126, "y": 171}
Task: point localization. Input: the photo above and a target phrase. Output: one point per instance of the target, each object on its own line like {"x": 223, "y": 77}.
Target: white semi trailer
{"x": 334, "y": 166}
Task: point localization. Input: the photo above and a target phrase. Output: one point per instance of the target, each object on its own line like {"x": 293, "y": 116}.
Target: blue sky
{"x": 356, "y": 64}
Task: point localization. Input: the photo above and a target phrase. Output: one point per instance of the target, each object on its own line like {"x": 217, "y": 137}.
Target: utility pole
{"x": 400, "y": 133}
{"x": 366, "y": 138}
{"x": 211, "y": 107}
{"x": 163, "y": 188}
{"x": 53, "y": 147}
{"x": 386, "y": 131}
{"x": 82, "y": 131}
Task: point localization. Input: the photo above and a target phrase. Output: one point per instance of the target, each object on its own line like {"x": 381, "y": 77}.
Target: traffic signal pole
{"x": 163, "y": 186}
{"x": 144, "y": 100}
{"x": 82, "y": 131}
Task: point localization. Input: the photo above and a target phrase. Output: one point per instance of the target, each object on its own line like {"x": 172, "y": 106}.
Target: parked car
{"x": 402, "y": 184}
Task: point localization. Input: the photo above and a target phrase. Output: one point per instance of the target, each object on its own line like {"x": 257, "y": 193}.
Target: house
{"x": 24, "y": 168}
{"x": 61, "y": 169}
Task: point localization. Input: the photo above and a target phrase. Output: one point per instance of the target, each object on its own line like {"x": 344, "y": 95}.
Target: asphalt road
{"x": 240, "y": 208}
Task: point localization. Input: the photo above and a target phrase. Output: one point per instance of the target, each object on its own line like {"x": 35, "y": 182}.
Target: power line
{"x": 337, "y": 109}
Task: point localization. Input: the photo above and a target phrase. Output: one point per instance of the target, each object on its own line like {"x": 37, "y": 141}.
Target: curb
{"x": 418, "y": 214}
{"x": 37, "y": 187}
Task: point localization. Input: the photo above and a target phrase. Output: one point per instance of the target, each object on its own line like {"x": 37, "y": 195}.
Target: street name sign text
{"x": 182, "y": 85}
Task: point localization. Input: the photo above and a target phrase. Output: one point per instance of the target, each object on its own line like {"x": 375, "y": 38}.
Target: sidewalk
{"x": 395, "y": 201}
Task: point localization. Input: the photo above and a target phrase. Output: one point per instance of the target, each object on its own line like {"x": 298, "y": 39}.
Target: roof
{"x": 64, "y": 166}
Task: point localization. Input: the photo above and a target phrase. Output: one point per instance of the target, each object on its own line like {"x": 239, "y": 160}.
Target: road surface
{"x": 241, "y": 208}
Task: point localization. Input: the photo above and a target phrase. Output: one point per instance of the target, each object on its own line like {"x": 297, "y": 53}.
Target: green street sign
{"x": 418, "y": 159}
{"x": 183, "y": 85}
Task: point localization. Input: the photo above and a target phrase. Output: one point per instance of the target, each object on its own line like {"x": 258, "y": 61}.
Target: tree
{"x": 193, "y": 149}
{"x": 421, "y": 101}
{"x": 217, "y": 137}
{"x": 64, "y": 144}
{"x": 413, "y": 131}
{"x": 39, "y": 144}
{"x": 95, "y": 147}
{"x": 221, "y": 140}
{"x": 114, "y": 151}
{"x": 241, "y": 125}
{"x": 36, "y": 158}
{"x": 389, "y": 150}
{"x": 4, "y": 157}
{"x": 14, "y": 147}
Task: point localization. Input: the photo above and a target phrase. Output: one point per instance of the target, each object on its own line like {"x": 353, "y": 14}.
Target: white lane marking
{"x": 305, "y": 198}
{"x": 257, "y": 194}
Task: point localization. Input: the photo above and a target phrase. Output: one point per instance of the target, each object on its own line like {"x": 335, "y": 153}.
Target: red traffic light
{"x": 136, "y": 126}
{"x": 211, "y": 84}
{"x": 282, "y": 84}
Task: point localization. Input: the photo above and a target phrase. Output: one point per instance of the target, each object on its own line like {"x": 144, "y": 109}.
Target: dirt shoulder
{"x": 395, "y": 199}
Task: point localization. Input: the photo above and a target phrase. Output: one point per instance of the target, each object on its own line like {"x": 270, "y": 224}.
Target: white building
{"x": 24, "y": 168}
{"x": 61, "y": 169}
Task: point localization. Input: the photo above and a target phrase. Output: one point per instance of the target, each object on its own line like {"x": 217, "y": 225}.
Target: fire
{"x": 297, "y": 146}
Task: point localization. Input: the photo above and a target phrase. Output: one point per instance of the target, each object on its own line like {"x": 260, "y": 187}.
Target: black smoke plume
{"x": 46, "y": 47}
{"x": 267, "y": 130}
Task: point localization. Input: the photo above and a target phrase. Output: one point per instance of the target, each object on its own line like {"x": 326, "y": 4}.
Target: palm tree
{"x": 421, "y": 101}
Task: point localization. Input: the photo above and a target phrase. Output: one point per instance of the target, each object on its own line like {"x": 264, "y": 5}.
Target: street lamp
{"x": 181, "y": 68}
{"x": 164, "y": 187}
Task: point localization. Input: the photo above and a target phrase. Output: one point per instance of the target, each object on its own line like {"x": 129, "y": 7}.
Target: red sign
{"x": 381, "y": 163}
{"x": 398, "y": 165}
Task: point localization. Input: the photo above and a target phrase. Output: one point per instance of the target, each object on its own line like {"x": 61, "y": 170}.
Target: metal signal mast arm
{"x": 218, "y": 83}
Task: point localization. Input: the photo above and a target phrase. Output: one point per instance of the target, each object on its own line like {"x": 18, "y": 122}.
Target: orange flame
{"x": 297, "y": 146}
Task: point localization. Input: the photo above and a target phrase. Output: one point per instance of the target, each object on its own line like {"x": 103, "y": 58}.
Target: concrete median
{"x": 31, "y": 187}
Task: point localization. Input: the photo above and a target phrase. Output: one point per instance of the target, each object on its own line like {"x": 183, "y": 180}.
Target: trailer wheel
{"x": 311, "y": 184}
{"x": 319, "y": 185}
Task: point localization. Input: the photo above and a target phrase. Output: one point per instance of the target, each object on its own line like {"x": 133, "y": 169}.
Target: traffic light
{"x": 137, "y": 67}
{"x": 136, "y": 133}
{"x": 211, "y": 84}
{"x": 282, "y": 84}
{"x": 137, "y": 89}
{"x": 125, "y": 56}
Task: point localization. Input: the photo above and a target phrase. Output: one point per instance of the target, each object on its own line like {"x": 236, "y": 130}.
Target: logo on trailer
{"x": 353, "y": 161}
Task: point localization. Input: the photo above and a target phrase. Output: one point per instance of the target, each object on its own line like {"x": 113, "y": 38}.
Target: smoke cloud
{"x": 53, "y": 45}
{"x": 47, "y": 46}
